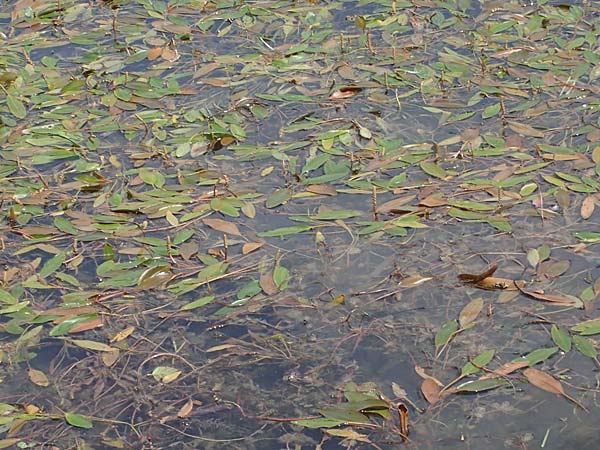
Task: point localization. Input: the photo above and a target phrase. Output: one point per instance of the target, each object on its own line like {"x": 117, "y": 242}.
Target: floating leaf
{"x": 470, "y": 312}
{"x": 555, "y": 299}
{"x": 165, "y": 374}
{"x": 52, "y": 264}
{"x": 445, "y": 333}
{"x": 318, "y": 423}
{"x": 585, "y": 346}
{"x": 431, "y": 391}
{"x": 587, "y": 207}
{"x": 38, "y": 377}
{"x": 561, "y": 338}
{"x": 475, "y": 365}
{"x": 279, "y": 197}
{"x": 548, "y": 383}
{"x": 223, "y": 226}
{"x": 588, "y": 327}
{"x": 78, "y": 420}
{"x": 16, "y": 106}
{"x": 92, "y": 345}
{"x": 285, "y": 231}
{"x": 539, "y": 355}
{"x": 474, "y": 278}
{"x": 433, "y": 169}
{"x": 197, "y": 303}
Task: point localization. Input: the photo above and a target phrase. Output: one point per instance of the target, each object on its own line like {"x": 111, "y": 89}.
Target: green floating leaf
{"x": 433, "y": 169}
{"x": 52, "y": 264}
{"x": 538, "y": 355}
{"x": 197, "y": 303}
{"x": 561, "y": 338}
{"x": 491, "y": 111}
{"x": 587, "y": 236}
{"x": 585, "y": 346}
{"x": 16, "y": 106}
{"x": 285, "y": 231}
{"x": 588, "y": 327}
{"x": 335, "y": 215}
{"x": 78, "y": 420}
{"x": 166, "y": 374}
{"x": 318, "y": 423}
{"x": 474, "y": 366}
{"x": 279, "y": 197}
{"x": 445, "y": 333}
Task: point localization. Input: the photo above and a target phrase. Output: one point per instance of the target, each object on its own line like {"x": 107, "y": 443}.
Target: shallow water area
{"x": 292, "y": 225}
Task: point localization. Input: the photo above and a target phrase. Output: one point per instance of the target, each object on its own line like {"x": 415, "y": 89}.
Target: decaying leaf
{"x": 38, "y": 377}
{"x": 345, "y": 92}
{"x": 430, "y": 390}
{"x": 505, "y": 369}
{"x": 475, "y": 278}
{"x": 550, "y": 384}
{"x": 555, "y": 299}
{"x": 470, "y": 312}
{"x": 587, "y": 207}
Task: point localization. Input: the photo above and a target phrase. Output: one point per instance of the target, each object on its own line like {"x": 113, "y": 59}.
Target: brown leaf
{"x": 470, "y": 312}
{"x": 505, "y": 369}
{"x": 434, "y": 200}
{"x": 267, "y": 284}
{"x": 403, "y": 418}
{"x": 548, "y": 383}
{"x": 394, "y": 204}
{"x": 121, "y": 335}
{"x": 431, "y": 390}
{"x": 495, "y": 283}
{"x": 587, "y": 207}
{"x": 185, "y": 409}
{"x": 38, "y": 377}
{"x": 249, "y": 247}
{"x": 86, "y": 325}
{"x": 414, "y": 280}
{"x": 421, "y": 372}
{"x": 345, "y": 92}
{"x": 525, "y": 130}
{"x": 223, "y": 226}
{"x": 470, "y": 278}
{"x": 154, "y": 53}
{"x": 555, "y": 299}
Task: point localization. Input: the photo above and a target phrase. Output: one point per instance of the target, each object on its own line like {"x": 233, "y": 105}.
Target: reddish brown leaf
{"x": 430, "y": 390}
{"x": 505, "y": 369}
{"x": 587, "y": 207}
{"x": 474, "y": 278}
{"x": 548, "y": 383}
{"x": 223, "y": 226}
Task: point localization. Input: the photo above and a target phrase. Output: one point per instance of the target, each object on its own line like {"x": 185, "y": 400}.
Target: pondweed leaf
{"x": 52, "y": 264}
{"x": 585, "y": 346}
{"x": 445, "y": 333}
{"x": 470, "y": 312}
{"x": 318, "y": 423}
{"x": 561, "y": 338}
{"x": 588, "y": 327}
{"x": 78, "y": 420}
{"x": 537, "y": 356}
{"x": 285, "y": 231}
{"x": 475, "y": 365}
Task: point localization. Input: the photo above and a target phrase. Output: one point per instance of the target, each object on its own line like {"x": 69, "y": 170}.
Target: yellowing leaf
{"x": 38, "y": 377}
{"x": 470, "y": 312}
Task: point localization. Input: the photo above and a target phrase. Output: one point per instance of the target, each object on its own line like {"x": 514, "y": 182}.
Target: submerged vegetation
{"x": 279, "y": 224}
